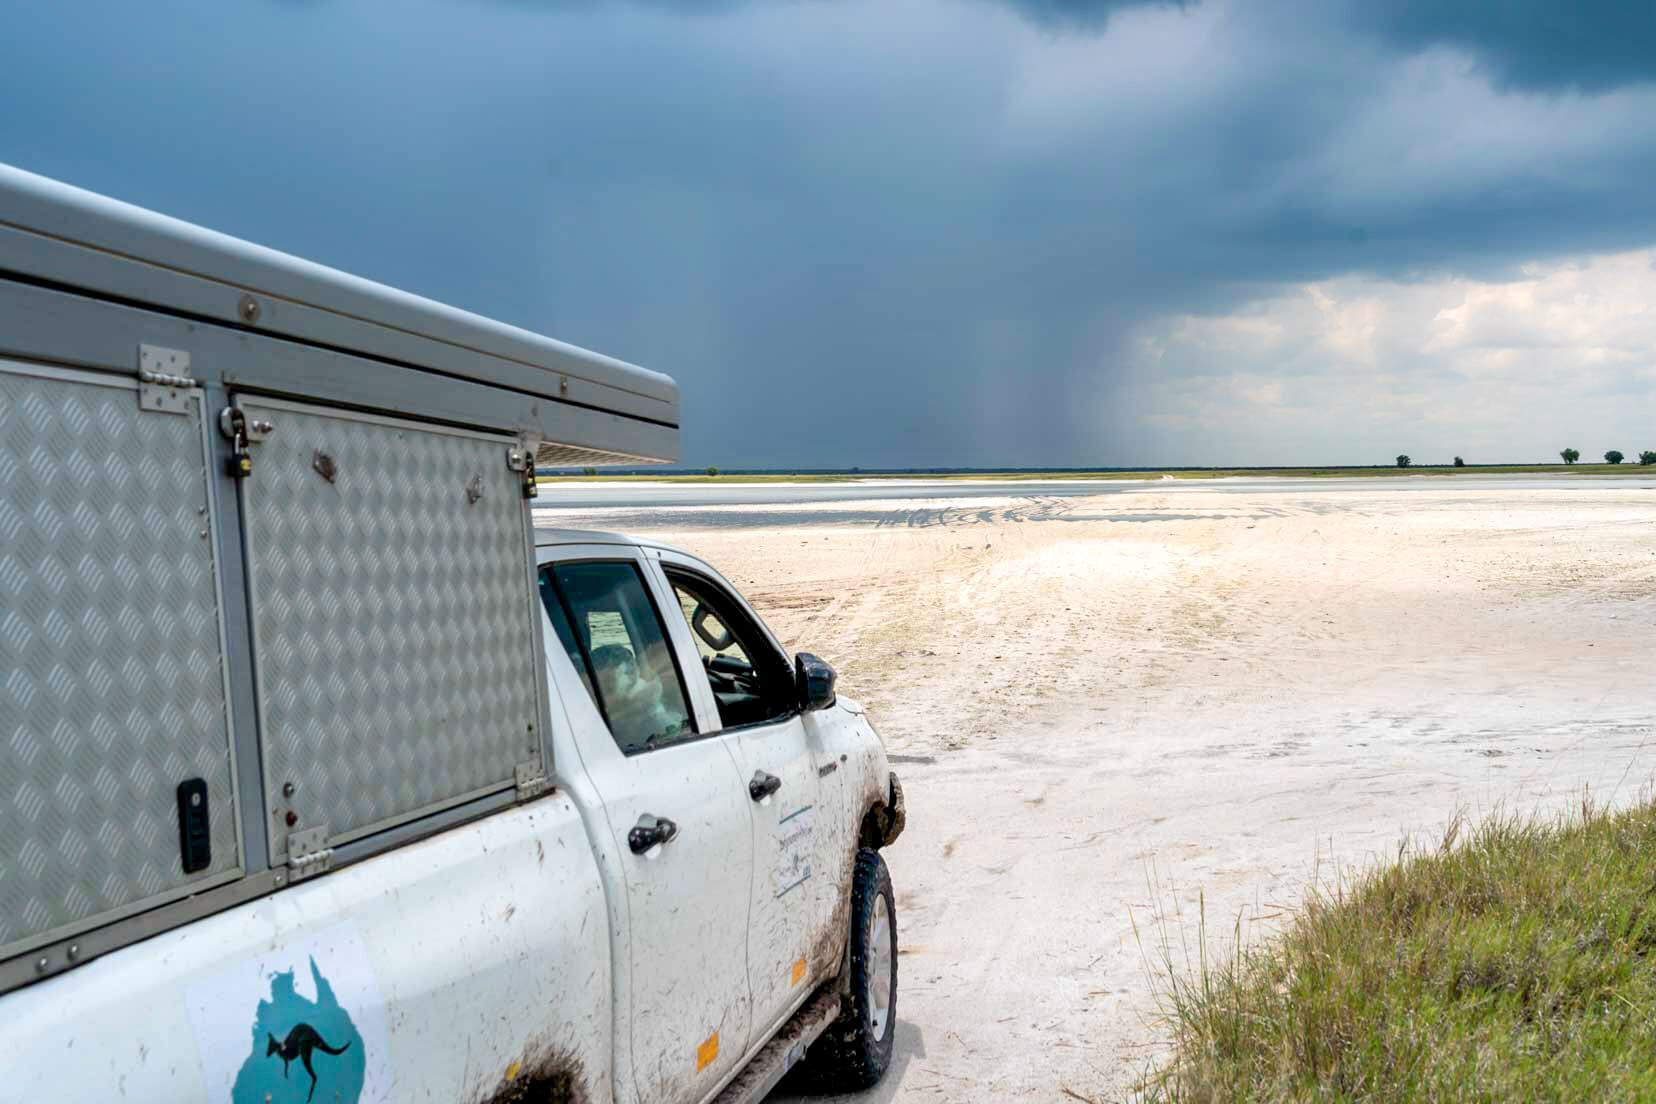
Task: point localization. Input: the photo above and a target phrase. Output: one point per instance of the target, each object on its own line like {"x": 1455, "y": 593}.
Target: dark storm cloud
{"x": 1536, "y": 44}
{"x": 1082, "y": 13}
{"x": 876, "y": 233}
{"x": 1542, "y": 44}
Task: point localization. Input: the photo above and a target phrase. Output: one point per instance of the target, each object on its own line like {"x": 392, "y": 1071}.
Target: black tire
{"x": 854, "y": 1053}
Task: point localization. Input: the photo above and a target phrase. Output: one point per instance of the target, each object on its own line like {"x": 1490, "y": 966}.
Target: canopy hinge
{"x": 308, "y": 853}
{"x": 165, "y": 385}
{"x": 531, "y": 780}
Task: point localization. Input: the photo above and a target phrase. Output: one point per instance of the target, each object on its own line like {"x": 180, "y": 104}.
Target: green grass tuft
{"x": 1517, "y": 965}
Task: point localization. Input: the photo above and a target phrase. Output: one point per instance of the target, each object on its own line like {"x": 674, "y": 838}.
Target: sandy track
{"x": 1101, "y": 722}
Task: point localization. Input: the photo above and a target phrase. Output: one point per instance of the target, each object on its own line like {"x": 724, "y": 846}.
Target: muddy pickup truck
{"x": 333, "y": 774}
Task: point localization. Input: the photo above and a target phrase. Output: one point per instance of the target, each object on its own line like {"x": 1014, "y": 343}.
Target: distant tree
{"x": 1647, "y": 458}
{"x": 1459, "y": 463}
{"x": 589, "y": 471}
{"x": 1403, "y": 460}
{"x": 712, "y": 471}
{"x": 1570, "y": 456}
{"x": 1613, "y": 457}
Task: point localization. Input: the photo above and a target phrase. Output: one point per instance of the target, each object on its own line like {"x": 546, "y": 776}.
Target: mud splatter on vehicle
{"x": 546, "y": 1075}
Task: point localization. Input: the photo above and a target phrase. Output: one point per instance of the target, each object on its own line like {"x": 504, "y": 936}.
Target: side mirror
{"x": 815, "y": 680}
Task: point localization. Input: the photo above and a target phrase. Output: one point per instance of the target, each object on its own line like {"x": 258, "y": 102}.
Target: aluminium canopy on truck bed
{"x": 587, "y": 408}
{"x": 268, "y": 592}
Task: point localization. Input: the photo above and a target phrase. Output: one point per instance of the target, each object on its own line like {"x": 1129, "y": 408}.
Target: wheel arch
{"x": 884, "y": 818}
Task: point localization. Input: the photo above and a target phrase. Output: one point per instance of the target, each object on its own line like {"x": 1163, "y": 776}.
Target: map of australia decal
{"x": 303, "y": 1051}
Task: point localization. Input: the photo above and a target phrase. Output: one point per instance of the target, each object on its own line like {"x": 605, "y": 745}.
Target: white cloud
{"x": 1357, "y": 369}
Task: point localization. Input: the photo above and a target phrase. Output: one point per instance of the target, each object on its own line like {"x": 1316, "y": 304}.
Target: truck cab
{"x": 733, "y": 798}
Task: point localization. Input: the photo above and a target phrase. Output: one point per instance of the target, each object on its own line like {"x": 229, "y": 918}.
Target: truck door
{"x": 746, "y": 685}
{"x": 677, "y": 814}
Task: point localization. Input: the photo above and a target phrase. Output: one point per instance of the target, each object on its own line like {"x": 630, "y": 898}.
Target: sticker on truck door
{"x": 307, "y": 1043}
{"x": 793, "y": 849}
{"x": 301, "y": 1025}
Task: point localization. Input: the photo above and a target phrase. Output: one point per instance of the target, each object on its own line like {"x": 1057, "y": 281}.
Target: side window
{"x": 566, "y": 632}
{"x": 751, "y": 682}
{"x": 606, "y": 621}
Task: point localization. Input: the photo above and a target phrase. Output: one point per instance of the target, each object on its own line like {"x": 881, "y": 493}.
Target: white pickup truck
{"x": 330, "y": 776}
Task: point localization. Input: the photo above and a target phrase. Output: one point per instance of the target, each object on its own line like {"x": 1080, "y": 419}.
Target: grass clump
{"x": 1516, "y": 965}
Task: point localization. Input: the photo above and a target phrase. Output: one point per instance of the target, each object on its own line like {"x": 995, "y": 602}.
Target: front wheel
{"x": 853, "y": 1054}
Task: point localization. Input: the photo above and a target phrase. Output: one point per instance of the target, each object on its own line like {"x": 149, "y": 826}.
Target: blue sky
{"x": 962, "y": 232}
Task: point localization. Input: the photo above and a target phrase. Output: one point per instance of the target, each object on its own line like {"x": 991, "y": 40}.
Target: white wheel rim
{"x": 881, "y": 951}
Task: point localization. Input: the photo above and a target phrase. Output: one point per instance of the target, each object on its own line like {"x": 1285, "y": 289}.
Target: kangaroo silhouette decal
{"x": 314, "y": 1029}
{"x": 303, "y": 1041}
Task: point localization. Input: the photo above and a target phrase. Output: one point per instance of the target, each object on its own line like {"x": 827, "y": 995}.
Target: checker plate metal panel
{"x": 393, "y": 647}
{"x": 112, "y": 678}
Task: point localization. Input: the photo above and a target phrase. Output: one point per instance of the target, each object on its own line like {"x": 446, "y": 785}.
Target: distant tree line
{"x": 1614, "y": 456}
{"x": 1569, "y": 456}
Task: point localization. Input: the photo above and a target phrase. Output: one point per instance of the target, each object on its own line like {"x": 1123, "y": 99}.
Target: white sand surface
{"x": 1101, "y": 723}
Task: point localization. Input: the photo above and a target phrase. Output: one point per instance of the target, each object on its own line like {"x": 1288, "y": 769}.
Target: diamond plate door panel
{"x": 112, "y": 676}
{"x": 393, "y": 641}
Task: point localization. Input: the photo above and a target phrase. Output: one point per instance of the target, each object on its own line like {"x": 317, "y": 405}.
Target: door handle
{"x": 650, "y": 831}
{"x": 763, "y": 785}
